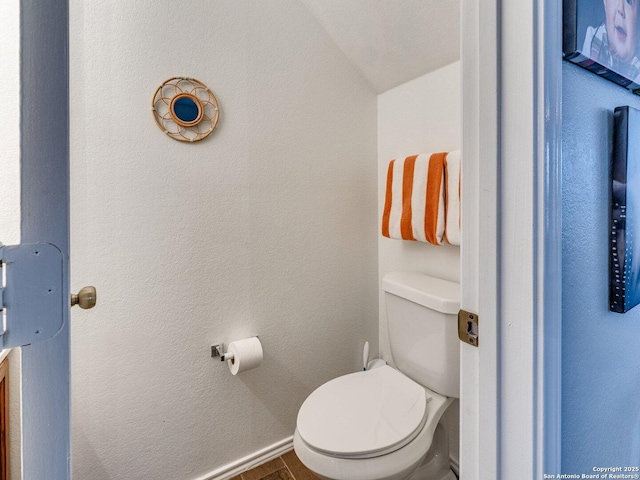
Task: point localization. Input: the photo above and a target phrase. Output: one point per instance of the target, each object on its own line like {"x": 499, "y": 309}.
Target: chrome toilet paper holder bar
{"x": 217, "y": 350}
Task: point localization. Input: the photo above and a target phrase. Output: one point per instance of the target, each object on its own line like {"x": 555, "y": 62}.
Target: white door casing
{"x": 479, "y": 276}
{"x": 511, "y": 270}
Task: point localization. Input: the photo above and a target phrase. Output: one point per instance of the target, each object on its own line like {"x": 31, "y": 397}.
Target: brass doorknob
{"x": 85, "y": 298}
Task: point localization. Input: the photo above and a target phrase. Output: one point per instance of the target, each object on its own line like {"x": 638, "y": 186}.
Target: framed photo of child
{"x": 603, "y": 36}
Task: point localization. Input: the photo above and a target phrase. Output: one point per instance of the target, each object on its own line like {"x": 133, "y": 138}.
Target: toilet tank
{"x": 422, "y": 320}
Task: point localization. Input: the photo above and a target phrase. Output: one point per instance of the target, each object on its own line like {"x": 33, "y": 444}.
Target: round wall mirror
{"x": 186, "y": 110}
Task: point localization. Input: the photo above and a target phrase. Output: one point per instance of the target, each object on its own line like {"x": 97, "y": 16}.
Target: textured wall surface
{"x": 420, "y": 116}
{"x": 266, "y": 228}
{"x": 10, "y": 123}
{"x": 601, "y": 359}
{"x": 10, "y": 193}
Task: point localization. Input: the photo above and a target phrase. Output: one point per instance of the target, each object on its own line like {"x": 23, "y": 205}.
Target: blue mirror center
{"x": 186, "y": 109}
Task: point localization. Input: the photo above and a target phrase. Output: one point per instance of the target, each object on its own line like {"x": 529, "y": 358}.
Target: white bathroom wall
{"x": 10, "y": 200}
{"x": 266, "y": 228}
{"x": 10, "y": 122}
{"x": 420, "y": 116}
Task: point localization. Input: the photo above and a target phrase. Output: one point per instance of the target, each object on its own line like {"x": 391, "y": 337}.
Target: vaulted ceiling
{"x": 392, "y": 41}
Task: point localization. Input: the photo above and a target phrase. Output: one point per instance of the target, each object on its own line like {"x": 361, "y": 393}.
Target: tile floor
{"x": 286, "y": 467}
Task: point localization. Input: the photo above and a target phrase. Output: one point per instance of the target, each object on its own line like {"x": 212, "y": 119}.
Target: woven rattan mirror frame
{"x": 163, "y": 103}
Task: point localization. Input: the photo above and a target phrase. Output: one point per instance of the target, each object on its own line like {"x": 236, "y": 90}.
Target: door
{"x": 44, "y": 193}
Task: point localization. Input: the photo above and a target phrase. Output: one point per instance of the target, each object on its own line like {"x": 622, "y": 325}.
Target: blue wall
{"x": 601, "y": 350}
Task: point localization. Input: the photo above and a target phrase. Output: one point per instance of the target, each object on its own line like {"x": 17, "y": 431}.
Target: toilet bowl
{"x": 373, "y": 425}
{"x": 383, "y": 424}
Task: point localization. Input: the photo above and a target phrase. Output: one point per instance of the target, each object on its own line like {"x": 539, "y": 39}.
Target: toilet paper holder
{"x": 217, "y": 350}
{"x": 241, "y": 355}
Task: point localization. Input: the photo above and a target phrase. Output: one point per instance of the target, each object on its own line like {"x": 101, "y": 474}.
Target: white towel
{"x": 452, "y": 195}
{"x": 414, "y": 202}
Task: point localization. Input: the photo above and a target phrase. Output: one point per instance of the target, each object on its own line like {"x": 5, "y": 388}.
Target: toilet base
{"x": 442, "y": 475}
{"x": 435, "y": 465}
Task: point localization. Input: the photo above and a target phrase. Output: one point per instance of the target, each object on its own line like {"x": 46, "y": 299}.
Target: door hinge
{"x": 468, "y": 327}
{"x": 32, "y": 293}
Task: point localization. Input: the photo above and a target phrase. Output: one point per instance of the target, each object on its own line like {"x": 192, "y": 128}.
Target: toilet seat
{"x": 363, "y": 414}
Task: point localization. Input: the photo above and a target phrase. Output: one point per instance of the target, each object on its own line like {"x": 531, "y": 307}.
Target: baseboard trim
{"x": 252, "y": 460}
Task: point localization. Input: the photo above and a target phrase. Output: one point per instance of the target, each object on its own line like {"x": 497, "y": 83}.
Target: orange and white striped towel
{"x": 414, "y": 206}
{"x": 452, "y": 196}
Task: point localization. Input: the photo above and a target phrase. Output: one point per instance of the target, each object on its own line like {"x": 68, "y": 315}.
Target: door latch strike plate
{"x": 468, "y": 327}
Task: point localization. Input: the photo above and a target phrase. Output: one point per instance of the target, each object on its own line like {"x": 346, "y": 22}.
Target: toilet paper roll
{"x": 247, "y": 354}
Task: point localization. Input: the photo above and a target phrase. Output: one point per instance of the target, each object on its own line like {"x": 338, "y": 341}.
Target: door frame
{"x": 511, "y": 252}
{"x": 511, "y": 269}
{"x": 44, "y": 204}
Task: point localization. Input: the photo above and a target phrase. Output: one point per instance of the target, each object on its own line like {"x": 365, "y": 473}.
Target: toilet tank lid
{"x": 434, "y": 293}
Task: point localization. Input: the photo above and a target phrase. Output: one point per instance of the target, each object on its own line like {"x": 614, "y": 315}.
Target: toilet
{"x": 384, "y": 423}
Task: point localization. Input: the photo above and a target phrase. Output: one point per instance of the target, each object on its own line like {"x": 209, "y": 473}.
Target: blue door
{"x": 45, "y": 219}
